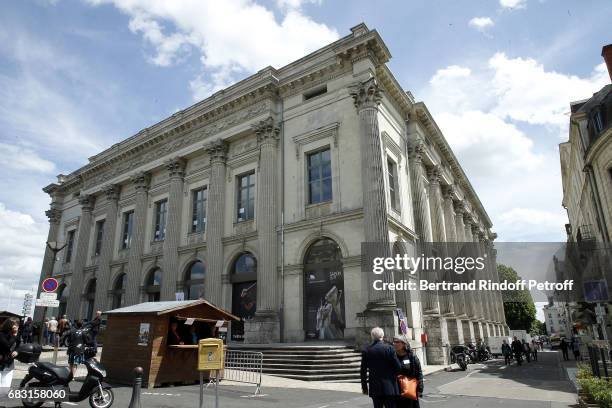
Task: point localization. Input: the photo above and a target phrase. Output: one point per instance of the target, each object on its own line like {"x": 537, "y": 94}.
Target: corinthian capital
{"x": 87, "y": 202}
{"x": 366, "y": 94}
{"x": 266, "y": 131}
{"x": 448, "y": 192}
{"x": 416, "y": 151}
{"x": 111, "y": 192}
{"x": 434, "y": 175}
{"x": 54, "y": 215}
{"x": 217, "y": 151}
{"x": 141, "y": 181}
{"x": 459, "y": 208}
{"x": 176, "y": 167}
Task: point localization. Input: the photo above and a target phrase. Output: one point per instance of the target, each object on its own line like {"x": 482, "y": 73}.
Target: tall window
{"x": 161, "y": 212}
{"x": 119, "y": 291}
{"x": 244, "y": 292}
{"x": 99, "y": 237}
{"x": 152, "y": 288}
{"x": 393, "y": 184}
{"x": 198, "y": 218}
{"x": 246, "y": 197}
{"x": 69, "y": 246}
{"x": 90, "y": 297}
{"x": 194, "y": 281}
{"x": 128, "y": 225}
{"x": 319, "y": 177}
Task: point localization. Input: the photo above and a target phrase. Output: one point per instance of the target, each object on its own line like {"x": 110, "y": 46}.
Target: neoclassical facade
{"x": 258, "y": 199}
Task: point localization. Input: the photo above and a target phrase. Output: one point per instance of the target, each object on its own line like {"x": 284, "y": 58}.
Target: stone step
{"x": 310, "y": 357}
{"x": 314, "y": 365}
{"x": 348, "y": 360}
{"x": 322, "y": 377}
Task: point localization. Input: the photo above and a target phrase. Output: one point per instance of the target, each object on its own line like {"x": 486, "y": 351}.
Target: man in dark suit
{"x": 379, "y": 370}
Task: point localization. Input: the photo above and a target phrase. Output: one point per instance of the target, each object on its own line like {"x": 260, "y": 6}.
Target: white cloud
{"x": 21, "y": 251}
{"x": 513, "y": 4}
{"x": 23, "y": 159}
{"x": 526, "y": 224}
{"x": 481, "y": 23}
{"x": 233, "y": 37}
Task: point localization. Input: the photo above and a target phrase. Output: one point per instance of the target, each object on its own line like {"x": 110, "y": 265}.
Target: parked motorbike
{"x": 50, "y": 376}
{"x": 459, "y": 356}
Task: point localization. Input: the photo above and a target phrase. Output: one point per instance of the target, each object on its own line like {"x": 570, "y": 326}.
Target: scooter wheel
{"x": 29, "y": 404}
{"x": 96, "y": 400}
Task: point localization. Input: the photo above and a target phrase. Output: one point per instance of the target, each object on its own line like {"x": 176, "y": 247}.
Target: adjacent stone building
{"x": 258, "y": 198}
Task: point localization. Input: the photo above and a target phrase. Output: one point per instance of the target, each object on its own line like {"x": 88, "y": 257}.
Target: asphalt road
{"x": 541, "y": 384}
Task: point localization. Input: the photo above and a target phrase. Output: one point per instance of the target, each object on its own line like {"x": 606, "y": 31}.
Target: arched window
{"x": 194, "y": 281}
{"x": 119, "y": 291}
{"x": 90, "y": 298}
{"x": 153, "y": 285}
{"x": 324, "y": 291}
{"x": 244, "y": 292}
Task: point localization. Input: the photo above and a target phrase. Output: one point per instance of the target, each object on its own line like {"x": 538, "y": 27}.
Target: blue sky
{"x": 498, "y": 75}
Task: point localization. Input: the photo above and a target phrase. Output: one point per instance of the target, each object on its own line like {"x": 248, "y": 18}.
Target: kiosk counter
{"x": 162, "y": 338}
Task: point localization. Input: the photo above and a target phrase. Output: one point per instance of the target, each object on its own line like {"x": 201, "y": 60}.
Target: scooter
{"x": 51, "y": 376}
{"x": 458, "y": 355}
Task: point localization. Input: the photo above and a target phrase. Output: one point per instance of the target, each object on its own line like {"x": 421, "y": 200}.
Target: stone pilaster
{"x": 264, "y": 327}
{"x": 55, "y": 216}
{"x": 458, "y": 297}
{"x": 217, "y": 152}
{"x": 459, "y": 226}
{"x": 176, "y": 172}
{"x": 103, "y": 284}
{"x": 73, "y": 308}
{"x": 367, "y": 96}
{"x": 422, "y": 221}
{"x": 141, "y": 183}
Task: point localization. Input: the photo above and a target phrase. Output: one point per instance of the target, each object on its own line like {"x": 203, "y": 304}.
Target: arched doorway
{"x": 152, "y": 287}
{"x": 194, "y": 281}
{"x": 324, "y": 291}
{"x": 90, "y": 299}
{"x": 119, "y": 291}
{"x": 244, "y": 292}
{"x": 62, "y": 296}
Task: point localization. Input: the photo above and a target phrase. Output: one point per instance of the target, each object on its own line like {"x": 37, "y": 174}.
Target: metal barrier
{"x": 244, "y": 367}
{"x": 600, "y": 361}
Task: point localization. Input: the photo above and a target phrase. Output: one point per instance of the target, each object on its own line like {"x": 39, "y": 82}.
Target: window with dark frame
{"x": 597, "y": 122}
{"x": 198, "y": 219}
{"x": 319, "y": 176}
{"x": 246, "y": 197}
{"x": 393, "y": 184}
{"x": 99, "y": 237}
{"x": 69, "y": 246}
{"x": 161, "y": 213}
{"x": 128, "y": 224}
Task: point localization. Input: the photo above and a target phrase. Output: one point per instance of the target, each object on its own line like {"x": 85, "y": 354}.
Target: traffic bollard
{"x": 135, "y": 401}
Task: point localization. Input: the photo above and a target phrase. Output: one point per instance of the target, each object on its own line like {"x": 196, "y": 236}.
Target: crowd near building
{"x": 258, "y": 199}
{"x": 586, "y": 170}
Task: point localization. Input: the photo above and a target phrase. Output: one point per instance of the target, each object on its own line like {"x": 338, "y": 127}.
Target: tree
{"x": 519, "y": 307}
{"x": 538, "y": 328}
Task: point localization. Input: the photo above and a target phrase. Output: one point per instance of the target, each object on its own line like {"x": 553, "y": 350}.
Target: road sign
{"x": 50, "y": 285}
{"x": 47, "y": 303}
{"x": 48, "y": 296}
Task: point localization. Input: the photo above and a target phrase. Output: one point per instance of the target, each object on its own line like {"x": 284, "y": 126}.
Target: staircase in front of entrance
{"x": 308, "y": 362}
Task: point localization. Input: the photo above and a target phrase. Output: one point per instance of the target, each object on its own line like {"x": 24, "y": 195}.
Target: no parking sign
{"x": 50, "y": 285}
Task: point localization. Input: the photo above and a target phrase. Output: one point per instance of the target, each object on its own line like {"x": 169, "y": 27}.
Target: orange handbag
{"x": 408, "y": 387}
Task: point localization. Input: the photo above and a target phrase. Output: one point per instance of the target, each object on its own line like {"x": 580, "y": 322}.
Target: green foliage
{"x": 519, "y": 307}
{"x": 598, "y": 390}
{"x": 538, "y": 328}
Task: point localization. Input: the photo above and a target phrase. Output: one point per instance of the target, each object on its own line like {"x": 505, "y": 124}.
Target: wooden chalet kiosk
{"x": 137, "y": 336}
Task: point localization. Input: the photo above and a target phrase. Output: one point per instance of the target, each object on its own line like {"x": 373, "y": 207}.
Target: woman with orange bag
{"x": 411, "y": 374}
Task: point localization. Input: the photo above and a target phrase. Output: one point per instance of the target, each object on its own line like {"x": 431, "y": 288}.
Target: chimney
{"x": 606, "y": 53}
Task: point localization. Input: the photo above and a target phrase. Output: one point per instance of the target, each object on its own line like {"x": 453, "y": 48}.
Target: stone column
{"x": 459, "y": 226}
{"x": 73, "y": 308}
{"x": 367, "y": 96}
{"x": 470, "y": 296}
{"x": 141, "y": 183}
{"x": 422, "y": 221}
{"x": 217, "y": 151}
{"x": 103, "y": 284}
{"x": 176, "y": 172}
{"x": 55, "y": 216}
{"x": 458, "y": 297}
{"x": 264, "y": 327}
{"x": 479, "y": 300}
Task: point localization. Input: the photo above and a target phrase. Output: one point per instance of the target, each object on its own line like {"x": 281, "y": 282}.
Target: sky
{"x": 77, "y": 76}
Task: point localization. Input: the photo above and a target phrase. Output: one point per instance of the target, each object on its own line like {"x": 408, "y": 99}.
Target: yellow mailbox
{"x": 210, "y": 354}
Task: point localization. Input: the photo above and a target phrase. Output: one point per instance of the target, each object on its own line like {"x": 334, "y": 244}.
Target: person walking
{"x": 534, "y": 350}
{"x": 411, "y": 368}
{"x": 526, "y": 351}
{"x": 576, "y": 349}
{"x": 53, "y": 325}
{"x": 507, "y": 352}
{"x": 379, "y": 370}
{"x": 564, "y": 348}
{"x": 95, "y": 329}
{"x": 517, "y": 349}
{"x": 45, "y": 332}
{"x": 9, "y": 340}
{"x": 76, "y": 341}
{"x": 26, "y": 332}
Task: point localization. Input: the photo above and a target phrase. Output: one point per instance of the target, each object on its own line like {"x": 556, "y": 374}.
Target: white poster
{"x": 179, "y": 296}
{"x": 143, "y": 334}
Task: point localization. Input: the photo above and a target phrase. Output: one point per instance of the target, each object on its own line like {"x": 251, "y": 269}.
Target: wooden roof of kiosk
{"x": 125, "y": 347}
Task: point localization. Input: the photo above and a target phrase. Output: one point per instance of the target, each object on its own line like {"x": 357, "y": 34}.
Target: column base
{"x": 263, "y": 328}
{"x": 436, "y": 349}
{"x": 377, "y": 316}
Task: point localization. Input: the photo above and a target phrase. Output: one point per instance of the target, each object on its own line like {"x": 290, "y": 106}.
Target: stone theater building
{"x": 258, "y": 199}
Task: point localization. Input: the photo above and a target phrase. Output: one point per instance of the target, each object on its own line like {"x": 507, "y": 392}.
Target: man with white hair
{"x": 379, "y": 370}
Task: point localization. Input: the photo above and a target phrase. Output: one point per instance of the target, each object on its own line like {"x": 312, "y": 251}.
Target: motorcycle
{"x": 51, "y": 376}
{"x": 459, "y": 356}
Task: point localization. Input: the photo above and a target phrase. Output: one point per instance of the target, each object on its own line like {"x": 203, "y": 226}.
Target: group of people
{"x": 574, "y": 345}
{"x": 518, "y": 350}
{"x": 381, "y": 364}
